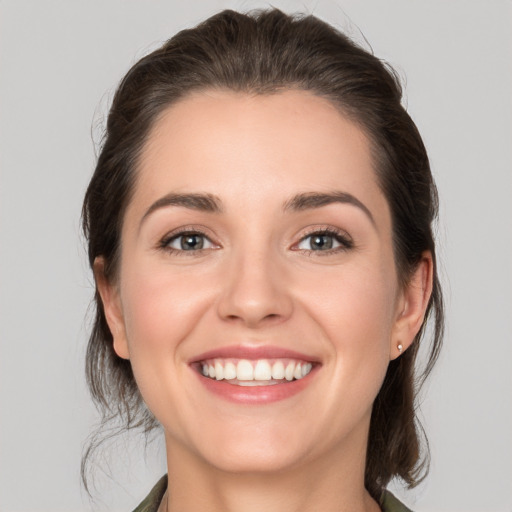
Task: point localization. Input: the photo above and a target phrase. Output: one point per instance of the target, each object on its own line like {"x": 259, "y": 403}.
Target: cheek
{"x": 355, "y": 309}
{"x": 356, "y": 305}
{"x": 161, "y": 307}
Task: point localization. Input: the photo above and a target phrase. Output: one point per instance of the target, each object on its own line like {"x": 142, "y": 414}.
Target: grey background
{"x": 59, "y": 63}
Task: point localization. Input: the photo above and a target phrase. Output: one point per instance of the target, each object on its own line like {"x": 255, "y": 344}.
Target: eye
{"x": 189, "y": 241}
{"x": 325, "y": 240}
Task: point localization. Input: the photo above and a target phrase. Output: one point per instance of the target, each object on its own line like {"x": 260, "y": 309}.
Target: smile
{"x": 255, "y": 375}
{"x": 260, "y": 372}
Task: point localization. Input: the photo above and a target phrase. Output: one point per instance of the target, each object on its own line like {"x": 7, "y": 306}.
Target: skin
{"x": 257, "y": 282}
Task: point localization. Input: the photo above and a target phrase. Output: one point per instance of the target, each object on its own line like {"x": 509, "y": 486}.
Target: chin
{"x": 249, "y": 461}
{"x": 253, "y": 452}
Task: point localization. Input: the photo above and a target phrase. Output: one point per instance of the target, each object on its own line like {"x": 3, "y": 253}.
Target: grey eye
{"x": 319, "y": 242}
{"x": 190, "y": 242}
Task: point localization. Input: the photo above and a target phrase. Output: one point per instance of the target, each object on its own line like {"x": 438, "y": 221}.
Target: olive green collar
{"x": 388, "y": 502}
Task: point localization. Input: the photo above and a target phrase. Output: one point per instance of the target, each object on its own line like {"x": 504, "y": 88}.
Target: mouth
{"x": 259, "y": 372}
{"x": 254, "y": 375}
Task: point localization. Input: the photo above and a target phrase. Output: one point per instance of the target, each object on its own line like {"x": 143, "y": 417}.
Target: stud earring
{"x": 400, "y": 348}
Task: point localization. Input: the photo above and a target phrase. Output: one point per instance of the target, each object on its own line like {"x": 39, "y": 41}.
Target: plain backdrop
{"x": 59, "y": 64}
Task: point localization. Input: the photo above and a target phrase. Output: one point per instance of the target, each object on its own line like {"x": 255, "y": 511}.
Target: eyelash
{"x": 170, "y": 237}
{"x": 345, "y": 241}
{"x": 339, "y": 236}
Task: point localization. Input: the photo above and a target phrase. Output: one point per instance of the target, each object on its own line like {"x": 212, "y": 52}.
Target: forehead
{"x": 255, "y": 148}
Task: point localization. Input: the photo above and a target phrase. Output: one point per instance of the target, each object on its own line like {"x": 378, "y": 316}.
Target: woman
{"x": 259, "y": 227}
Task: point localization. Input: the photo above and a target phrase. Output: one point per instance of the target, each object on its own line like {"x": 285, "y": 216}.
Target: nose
{"x": 255, "y": 291}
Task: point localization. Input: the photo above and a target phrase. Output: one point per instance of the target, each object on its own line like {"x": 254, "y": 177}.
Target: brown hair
{"x": 265, "y": 52}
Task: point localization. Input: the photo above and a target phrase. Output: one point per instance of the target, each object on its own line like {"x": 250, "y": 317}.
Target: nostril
{"x": 272, "y": 318}
{"x": 255, "y": 321}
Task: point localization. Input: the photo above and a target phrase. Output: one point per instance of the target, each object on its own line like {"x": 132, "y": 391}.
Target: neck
{"x": 333, "y": 485}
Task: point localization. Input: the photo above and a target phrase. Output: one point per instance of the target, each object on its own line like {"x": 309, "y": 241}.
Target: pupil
{"x": 191, "y": 242}
{"x": 321, "y": 242}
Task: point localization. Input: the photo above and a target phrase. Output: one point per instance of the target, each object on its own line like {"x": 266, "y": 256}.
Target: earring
{"x": 399, "y": 347}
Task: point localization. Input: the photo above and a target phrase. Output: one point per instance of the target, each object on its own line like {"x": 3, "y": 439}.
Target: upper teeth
{"x": 255, "y": 370}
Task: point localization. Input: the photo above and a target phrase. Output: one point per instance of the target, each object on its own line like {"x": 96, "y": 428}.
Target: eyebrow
{"x": 212, "y": 204}
{"x": 200, "y": 202}
{"x": 309, "y": 200}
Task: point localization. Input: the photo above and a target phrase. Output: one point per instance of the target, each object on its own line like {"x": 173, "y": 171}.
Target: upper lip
{"x": 253, "y": 352}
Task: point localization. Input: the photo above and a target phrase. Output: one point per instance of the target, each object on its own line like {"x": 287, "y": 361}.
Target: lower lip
{"x": 256, "y": 394}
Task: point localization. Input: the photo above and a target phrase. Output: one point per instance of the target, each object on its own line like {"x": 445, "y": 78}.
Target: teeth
{"x": 219, "y": 371}
{"x": 306, "y": 368}
{"x": 252, "y": 383}
{"x": 261, "y": 372}
{"x": 244, "y": 370}
{"x": 288, "y": 373}
{"x": 278, "y": 370}
{"x": 230, "y": 371}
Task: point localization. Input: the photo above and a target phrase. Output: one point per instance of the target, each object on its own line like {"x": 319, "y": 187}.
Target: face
{"x": 257, "y": 297}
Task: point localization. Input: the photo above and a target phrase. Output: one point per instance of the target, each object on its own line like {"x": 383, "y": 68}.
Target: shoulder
{"x": 153, "y": 499}
{"x": 389, "y": 503}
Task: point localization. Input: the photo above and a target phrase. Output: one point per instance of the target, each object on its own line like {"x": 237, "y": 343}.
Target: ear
{"x": 112, "y": 307}
{"x": 411, "y": 306}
